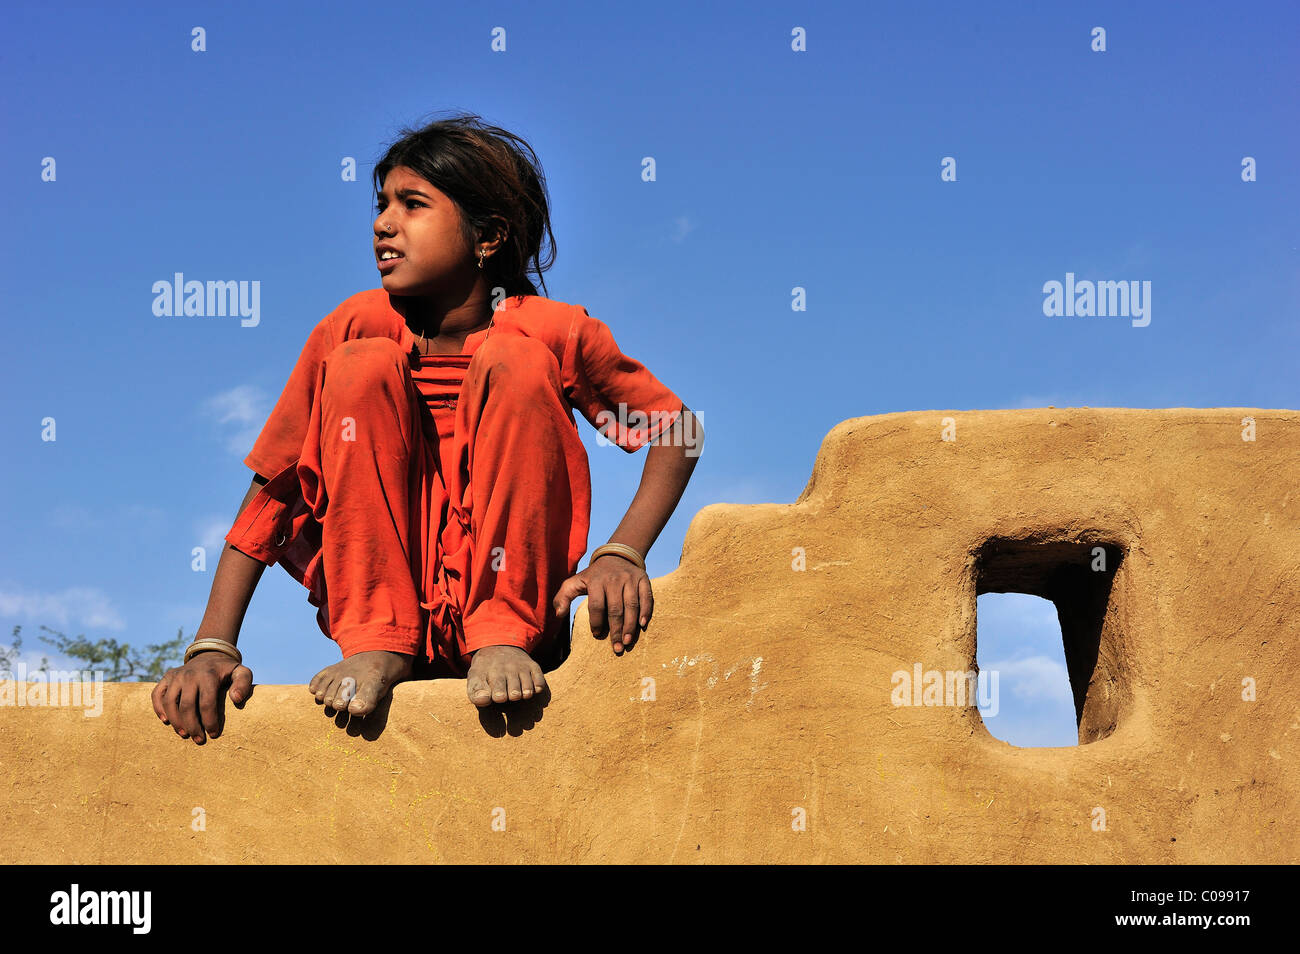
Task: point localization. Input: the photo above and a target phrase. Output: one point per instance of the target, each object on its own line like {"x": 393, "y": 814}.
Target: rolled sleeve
{"x": 617, "y": 394}
{"x": 273, "y": 519}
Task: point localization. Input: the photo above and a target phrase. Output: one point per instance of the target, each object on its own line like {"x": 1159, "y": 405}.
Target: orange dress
{"x": 433, "y": 504}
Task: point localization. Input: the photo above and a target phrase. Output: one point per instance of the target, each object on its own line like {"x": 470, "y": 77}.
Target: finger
{"x": 221, "y": 709}
{"x": 172, "y": 705}
{"x": 596, "y": 611}
{"x": 569, "y": 591}
{"x": 189, "y": 709}
{"x": 209, "y": 690}
{"x": 647, "y": 600}
{"x": 614, "y": 611}
{"x": 156, "y": 698}
{"x": 241, "y": 685}
{"x": 631, "y": 614}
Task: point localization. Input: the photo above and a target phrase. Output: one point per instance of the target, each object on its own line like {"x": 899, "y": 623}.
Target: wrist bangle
{"x": 206, "y": 643}
{"x": 618, "y": 549}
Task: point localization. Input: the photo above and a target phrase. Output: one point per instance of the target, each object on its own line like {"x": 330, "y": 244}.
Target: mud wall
{"x": 754, "y": 720}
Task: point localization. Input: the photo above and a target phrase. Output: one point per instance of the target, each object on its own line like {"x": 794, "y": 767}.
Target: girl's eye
{"x": 380, "y": 208}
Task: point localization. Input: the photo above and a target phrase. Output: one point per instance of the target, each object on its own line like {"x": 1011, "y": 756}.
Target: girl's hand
{"x": 191, "y": 698}
{"x": 619, "y": 600}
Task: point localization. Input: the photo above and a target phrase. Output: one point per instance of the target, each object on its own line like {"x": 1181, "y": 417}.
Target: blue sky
{"x": 775, "y": 169}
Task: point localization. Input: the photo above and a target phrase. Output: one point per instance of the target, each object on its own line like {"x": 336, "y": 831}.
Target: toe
{"x": 500, "y": 689}
{"x": 478, "y": 690}
{"x": 366, "y": 697}
{"x": 347, "y": 692}
{"x": 513, "y": 686}
{"x": 339, "y": 696}
{"x": 320, "y": 681}
{"x": 331, "y": 693}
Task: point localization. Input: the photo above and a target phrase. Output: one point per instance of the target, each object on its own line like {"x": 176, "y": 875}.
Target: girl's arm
{"x": 669, "y": 462}
{"x": 619, "y": 596}
{"x": 188, "y": 698}
{"x": 233, "y": 584}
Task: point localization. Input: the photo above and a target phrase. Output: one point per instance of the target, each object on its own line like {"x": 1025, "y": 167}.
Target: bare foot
{"x": 360, "y": 682}
{"x": 501, "y": 673}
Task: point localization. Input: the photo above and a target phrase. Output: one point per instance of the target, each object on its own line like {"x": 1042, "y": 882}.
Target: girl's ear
{"x": 498, "y": 234}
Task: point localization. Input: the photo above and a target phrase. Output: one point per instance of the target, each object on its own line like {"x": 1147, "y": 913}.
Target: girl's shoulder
{"x": 540, "y": 317}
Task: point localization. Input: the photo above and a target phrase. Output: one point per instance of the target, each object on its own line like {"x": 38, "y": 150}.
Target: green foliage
{"x": 11, "y": 655}
{"x": 120, "y": 662}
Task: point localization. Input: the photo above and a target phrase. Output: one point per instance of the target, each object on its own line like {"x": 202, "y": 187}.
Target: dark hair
{"x": 486, "y": 171}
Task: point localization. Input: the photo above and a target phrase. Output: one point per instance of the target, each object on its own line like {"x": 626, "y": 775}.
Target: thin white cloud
{"x": 81, "y": 607}
{"x": 53, "y": 661}
{"x": 66, "y": 516}
{"x": 212, "y": 537}
{"x": 682, "y": 226}
{"x": 743, "y": 492}
{"x": 1033, "y": 730}
{"x": 1034, "y": 679}
{"x": 241, "y": 411}
{"x": 1007, "y": 615}
{"x": 241, "y": 404}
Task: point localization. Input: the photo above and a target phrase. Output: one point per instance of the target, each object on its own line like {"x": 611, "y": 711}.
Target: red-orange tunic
{"x": 433, "y": 504}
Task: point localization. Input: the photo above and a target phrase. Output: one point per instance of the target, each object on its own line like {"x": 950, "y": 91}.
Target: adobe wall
{"x": 772, "y": 685}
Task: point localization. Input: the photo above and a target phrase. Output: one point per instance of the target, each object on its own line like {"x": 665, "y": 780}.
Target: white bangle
{"x": 206, "y": 643}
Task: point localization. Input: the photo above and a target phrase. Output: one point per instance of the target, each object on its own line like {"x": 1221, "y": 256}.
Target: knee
{"x": 363, "y": 364}
{"x": 526, "y": 363}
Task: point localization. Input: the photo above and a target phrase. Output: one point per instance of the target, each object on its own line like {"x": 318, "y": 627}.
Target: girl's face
{"x": 423, "y": 226}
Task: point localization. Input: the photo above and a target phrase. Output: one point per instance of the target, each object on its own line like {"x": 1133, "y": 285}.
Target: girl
{"x": 426, "y": 481}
